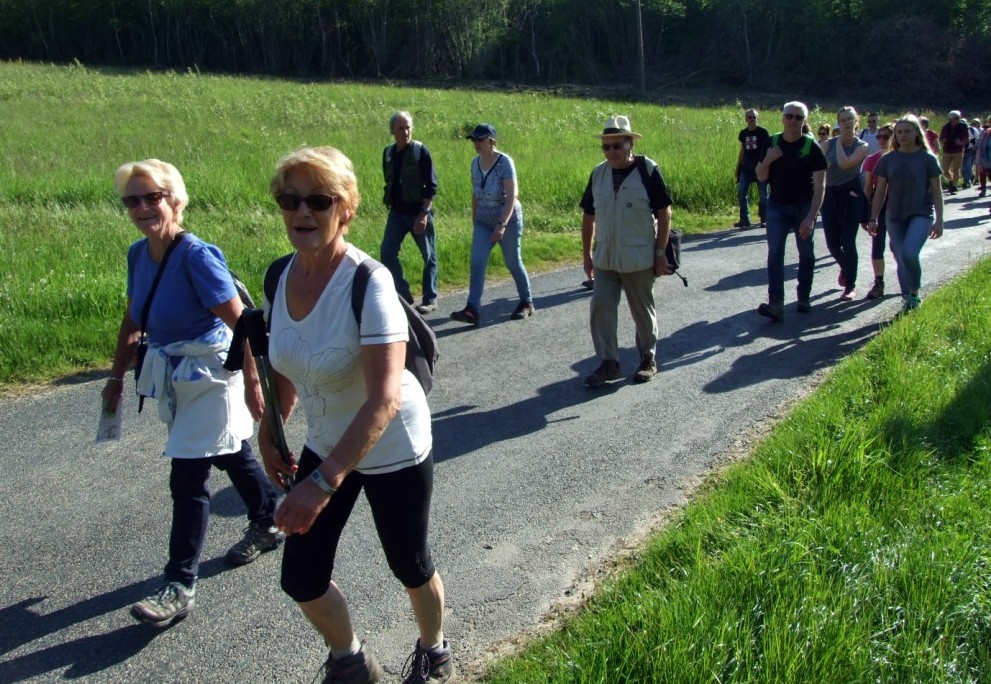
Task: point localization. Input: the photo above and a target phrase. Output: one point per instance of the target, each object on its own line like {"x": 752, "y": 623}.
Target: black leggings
{"x": 400, "y": 504}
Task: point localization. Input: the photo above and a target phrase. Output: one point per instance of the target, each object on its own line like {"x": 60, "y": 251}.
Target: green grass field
{"x": 63, "y": 235}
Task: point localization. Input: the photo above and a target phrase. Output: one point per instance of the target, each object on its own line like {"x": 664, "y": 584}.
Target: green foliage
{"x": 774, "y": 44}
{"x": 850, "y": 548}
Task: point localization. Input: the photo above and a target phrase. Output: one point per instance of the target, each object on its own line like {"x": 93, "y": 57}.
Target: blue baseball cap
{"x": 481, "y": 132}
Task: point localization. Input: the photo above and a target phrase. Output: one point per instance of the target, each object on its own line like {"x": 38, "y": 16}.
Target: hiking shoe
{"x": 257, "y": 540}
{"x": 607, "y": 370}
{"x": 647, "y": 369}
{"x": 877, "y": 291}
{"x": 742, "y": 224}
{"x": 357, "y": 668}
{"x": 170, "y": 603}
{"x": 849, "y": 294}
{"x": 776, "y": 312}
{"x": 428, "y": 667}
{"x": 426, "y": 307}
{"x": 522, "y": 310}
{"x": 803, "y": 306}
{"x": 466, "y": 315}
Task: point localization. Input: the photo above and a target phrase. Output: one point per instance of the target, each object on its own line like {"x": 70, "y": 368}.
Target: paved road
{"x": 537, "y": 477}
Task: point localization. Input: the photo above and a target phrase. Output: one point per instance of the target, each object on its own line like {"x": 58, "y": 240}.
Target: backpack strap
{"x": 272, "y": 275}
{"x": 360, "y": 285}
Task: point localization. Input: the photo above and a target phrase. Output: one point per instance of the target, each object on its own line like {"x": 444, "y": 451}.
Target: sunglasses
{"x": 613, "y": 146}
{"x": 793, "y": 117}
{"x": 290, "y": 202}
{"x": 152, "y": 199}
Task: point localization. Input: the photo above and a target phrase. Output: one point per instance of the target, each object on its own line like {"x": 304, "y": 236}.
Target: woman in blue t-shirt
{"x": 498, "y": 218}
{"x": 184, "y": 322}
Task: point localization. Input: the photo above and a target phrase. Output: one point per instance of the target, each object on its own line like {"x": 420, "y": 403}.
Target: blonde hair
{"x": 920, "y": 137}
{"x": 328, "y": 167}
{"x": 162, "y": 174}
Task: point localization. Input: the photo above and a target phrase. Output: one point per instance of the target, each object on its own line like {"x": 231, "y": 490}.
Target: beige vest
{"x": 625, "y": 228}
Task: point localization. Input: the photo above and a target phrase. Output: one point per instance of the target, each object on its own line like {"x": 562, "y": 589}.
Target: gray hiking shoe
{"x": 357, "y": 668}
{"x": 776, "y": 312}
{"x": 172, "y": 602}
{"x": 647, "y": 369}
{"x": 429, "y": 667}
{"x": 607, "y": 370}
{"x": 257, "y": 540}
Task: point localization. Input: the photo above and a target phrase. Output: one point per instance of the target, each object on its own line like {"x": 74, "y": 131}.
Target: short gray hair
{"x": 401, "y": 114}
{"x": 797, "y": 105}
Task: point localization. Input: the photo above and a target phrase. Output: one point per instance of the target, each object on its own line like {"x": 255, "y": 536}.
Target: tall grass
{"x": 67, "y": 128}
{"x": 852, "y": 547}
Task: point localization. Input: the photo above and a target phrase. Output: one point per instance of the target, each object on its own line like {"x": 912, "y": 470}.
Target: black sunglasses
{"x": 793, "y": 117}
{"x": 291, "y": 202}
{"x": 613, "y": 146}
{"x": 152, "y": 199}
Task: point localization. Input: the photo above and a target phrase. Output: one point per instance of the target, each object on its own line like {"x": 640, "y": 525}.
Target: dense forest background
{"x": 929, "y": 50}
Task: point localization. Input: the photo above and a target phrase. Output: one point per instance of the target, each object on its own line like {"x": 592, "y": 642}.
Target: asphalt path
{"x": 538, "y": 479}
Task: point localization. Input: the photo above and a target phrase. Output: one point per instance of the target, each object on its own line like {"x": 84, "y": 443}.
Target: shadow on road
{"x": 461, "y": 429}
{"x": 20, "y": 624}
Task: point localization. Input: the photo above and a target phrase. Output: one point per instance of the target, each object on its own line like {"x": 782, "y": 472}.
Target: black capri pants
{"x": 400, "y": 505}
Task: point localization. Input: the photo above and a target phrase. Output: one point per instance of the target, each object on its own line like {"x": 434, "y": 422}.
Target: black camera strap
{"x": 143, "y": 338}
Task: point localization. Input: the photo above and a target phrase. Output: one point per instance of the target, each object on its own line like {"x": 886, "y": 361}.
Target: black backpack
{"x": 673, "y": 250}
{"x": 422, "y": 350}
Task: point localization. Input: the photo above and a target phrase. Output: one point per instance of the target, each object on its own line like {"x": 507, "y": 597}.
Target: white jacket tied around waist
{"x": 625, "y": 228}
{"x": 202, "y": 404}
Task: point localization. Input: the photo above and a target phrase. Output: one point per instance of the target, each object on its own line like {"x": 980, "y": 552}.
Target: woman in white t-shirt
{"x": 368, "y": 423}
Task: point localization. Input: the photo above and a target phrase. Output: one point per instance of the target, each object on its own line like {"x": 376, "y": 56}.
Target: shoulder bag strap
{"x": 158, "y": 277}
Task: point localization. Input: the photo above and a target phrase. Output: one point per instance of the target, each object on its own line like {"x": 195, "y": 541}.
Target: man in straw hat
{"x": 795, "y": 167}
{"x": 624, "y": 234}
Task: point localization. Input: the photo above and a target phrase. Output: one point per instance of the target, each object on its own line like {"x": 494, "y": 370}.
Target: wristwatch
{"x": 322, "y": 483}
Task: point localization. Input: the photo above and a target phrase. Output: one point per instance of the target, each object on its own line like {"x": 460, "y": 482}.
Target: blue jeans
{"x": 481, "y": 247}
{"x": 748, "y": 177}
{"x": 191, "y": 504}
{"x": 968, "y": 166}
{"x": 783, "y": 220}
{"x": 907, "y": 239}
{"x": 396, "y": 228}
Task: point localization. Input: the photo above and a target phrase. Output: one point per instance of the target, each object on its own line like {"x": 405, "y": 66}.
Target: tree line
{"x": 923, "y": 48}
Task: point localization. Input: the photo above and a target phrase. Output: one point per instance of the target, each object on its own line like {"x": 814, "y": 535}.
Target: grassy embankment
{"x": 63, "y": 235}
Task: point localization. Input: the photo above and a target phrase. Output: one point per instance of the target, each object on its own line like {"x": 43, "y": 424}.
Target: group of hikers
{"x": 341, "y": 357}
{"x": 343, "y": 362}
{"x": 886, "y": 180}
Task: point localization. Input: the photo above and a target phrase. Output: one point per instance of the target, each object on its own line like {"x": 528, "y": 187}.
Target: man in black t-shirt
{"x": 754, "y": 142}
{"x": 795, "y": 167}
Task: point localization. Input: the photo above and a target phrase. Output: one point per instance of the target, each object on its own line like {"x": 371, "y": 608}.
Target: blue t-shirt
{"x": 195, "y": 279}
